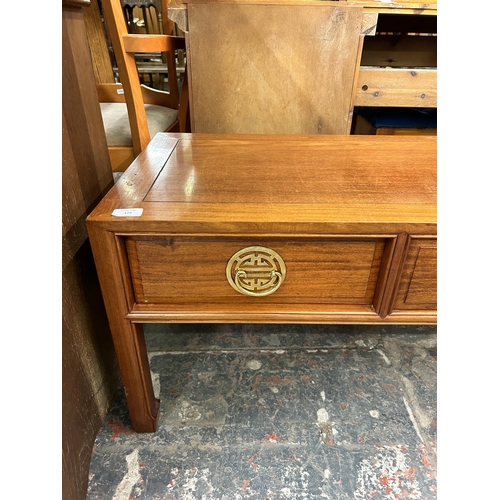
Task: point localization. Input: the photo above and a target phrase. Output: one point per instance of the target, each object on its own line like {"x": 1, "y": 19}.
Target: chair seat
{"x": 117, "y": 125}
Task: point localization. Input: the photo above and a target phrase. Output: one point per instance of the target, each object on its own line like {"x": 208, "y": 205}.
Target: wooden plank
{"x": 152, "y": 43}
{"x": 98, "y": 44}
{"x": 263, "y": 313}
{"x": 314, "y": 3}
{"x": 396, "y": 87}
{"x": 393, "y": 4}
{"x": 272, "y": 68}
{"x": 177, "y": 12}
{"x": 405, "y": 131}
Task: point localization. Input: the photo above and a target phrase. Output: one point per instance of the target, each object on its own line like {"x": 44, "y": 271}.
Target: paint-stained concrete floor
{"x": 278, "y": 412}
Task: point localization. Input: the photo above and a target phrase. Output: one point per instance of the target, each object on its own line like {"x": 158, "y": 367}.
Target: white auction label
{"x": 127, "y": 212}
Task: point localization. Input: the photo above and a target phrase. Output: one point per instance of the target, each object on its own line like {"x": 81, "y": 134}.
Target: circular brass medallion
{"x": 256, "y": 271}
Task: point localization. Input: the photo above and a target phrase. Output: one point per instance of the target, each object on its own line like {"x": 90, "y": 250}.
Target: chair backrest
{"x": 151, "y": 15}
{"x": 282, "y": 66}
{"x": 125, "y": 46}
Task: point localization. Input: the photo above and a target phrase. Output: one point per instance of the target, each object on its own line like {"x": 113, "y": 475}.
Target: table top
{"x": 319, "y": 184}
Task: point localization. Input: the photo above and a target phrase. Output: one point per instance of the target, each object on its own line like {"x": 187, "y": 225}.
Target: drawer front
{"x": 170, "y": 270}
{"x": 418, "y": 286}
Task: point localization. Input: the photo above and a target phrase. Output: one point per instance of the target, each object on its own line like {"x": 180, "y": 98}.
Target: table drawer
{"x": 183, "y": 269}
{"x": 418, "y": 285}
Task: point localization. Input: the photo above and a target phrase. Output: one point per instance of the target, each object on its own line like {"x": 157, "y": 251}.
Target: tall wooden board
{"x": 264, "y": 68}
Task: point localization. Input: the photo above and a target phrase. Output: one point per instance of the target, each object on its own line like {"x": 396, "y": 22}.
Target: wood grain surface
{"x": 182, "y": 269}
{"x": 303, "y": 185}
{"x": 272, "y": 68}
{"x": 89, "y": 371}
{"x": 418, "y": 287}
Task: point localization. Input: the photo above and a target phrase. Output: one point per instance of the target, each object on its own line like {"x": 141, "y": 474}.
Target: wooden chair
{"x": 151, "y": 20}
{"x": 133, "y": 113}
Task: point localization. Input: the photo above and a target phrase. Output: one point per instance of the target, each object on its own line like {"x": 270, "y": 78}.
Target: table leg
{"x": 130, "y": 345}
{"x": 133, "y": 360}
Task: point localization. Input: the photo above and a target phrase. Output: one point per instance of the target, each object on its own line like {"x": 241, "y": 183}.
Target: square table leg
{"x": 128, "y": 337}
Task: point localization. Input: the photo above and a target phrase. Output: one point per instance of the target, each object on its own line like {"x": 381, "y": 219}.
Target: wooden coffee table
{"x": 265, "y": 229}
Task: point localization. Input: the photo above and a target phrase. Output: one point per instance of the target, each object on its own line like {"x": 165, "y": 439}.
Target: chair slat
{"x": 152, "y": 43}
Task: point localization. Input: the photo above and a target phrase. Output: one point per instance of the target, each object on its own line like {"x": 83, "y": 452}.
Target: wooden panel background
{"x": 272, "y": 68}
{"x": 89, "y": 370}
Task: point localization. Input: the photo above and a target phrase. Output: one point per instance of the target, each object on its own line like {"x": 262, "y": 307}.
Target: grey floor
{"x": 278, "y": 412}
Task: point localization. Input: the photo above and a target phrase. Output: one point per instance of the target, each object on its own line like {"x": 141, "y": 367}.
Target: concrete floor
{"x": 278, "y": 412}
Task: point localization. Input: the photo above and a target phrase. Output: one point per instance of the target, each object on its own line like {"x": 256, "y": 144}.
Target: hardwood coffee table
{"x": 265, "y": 229}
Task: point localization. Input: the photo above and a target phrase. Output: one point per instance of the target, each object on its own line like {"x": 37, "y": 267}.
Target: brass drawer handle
{"x": 241, "y": 280}
{"x": 256, "y": 271}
